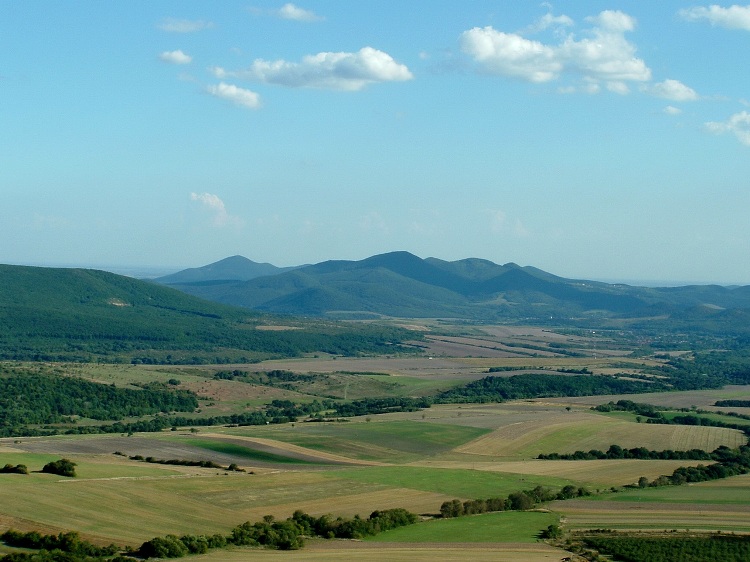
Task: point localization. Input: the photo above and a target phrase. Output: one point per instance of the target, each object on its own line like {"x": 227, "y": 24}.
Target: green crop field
{"x": 248, "y": 454}
{"x": 383, "y": 441}
{"x": 459, "y": 483}
{"x": 489, "y": 527}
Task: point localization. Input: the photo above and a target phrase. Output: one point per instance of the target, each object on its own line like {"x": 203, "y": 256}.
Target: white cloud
{"x": 618, "y": 87}
{"x": 236, "y": 95}
{"x": 738, "y": 124}
{"x": 605, "y": 55}
{"x": 671, "y": 110}
{"x": 176, "y": 57}
{"x": 291, "y": 12}
{"x": 549, "y": 21}
{"x": 216, "y": 207}
{"x": 335, "y": 71}
{"x": 184, "y": 26}
{"x": 510, "y": 54}
{"x": 673, "y": 90}
{"x": 733, "y": 17}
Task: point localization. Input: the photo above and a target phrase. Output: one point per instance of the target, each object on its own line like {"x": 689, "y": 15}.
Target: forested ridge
{"x": 87, "y": 315}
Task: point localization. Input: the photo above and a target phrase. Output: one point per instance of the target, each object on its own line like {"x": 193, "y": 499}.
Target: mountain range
{"x": 400, "y": 284}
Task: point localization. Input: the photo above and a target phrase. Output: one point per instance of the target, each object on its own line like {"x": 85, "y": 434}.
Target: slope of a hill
{"x": 84, "y": 315}
{"x": 234, "y": 268}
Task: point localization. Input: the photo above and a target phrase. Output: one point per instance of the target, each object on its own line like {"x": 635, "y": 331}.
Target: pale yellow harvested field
{"x": 567, "y": 432}
{"x": 645, "y": 515}
{"x": 596, "y": 473}
{"x": 412, "y": 366}
{"x": 701, "y": 398}
{"x": 489, "y": 416}
{"x": 464, "y": 347}
{"x": 345, "y": 551}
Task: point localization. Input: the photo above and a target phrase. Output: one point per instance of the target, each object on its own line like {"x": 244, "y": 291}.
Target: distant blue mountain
{"x": 235, "y": 268}
{"x": 400, "y": 284}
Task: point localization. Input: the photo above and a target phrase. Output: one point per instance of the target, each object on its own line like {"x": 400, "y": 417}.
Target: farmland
{"x": 346, "y": 466}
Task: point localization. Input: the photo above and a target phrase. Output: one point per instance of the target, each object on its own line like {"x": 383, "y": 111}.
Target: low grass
{"x": 132, "y": 510}
{"x": 735, "y": 490}
{"x": 86, "y": 467}
{"x": 583, "y": 431}
{"x": 508, "y": 526}
{"x": 717, "y": 505}
{"x": 594, "y": 474}
{"x": 712, "y": 416}
{"x": 245, "y": 452}
{"x": 384, "y": 441}
{"x": 456, "y": 483}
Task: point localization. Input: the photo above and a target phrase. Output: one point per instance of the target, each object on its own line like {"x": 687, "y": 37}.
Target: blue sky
{"x": 591, "y": 139}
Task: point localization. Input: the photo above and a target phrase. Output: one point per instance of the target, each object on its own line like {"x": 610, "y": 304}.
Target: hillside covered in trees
{"x": 88, "y": 315}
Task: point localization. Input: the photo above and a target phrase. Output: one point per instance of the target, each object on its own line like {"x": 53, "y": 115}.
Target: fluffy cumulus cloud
{"x": 175, "y": 57}
{"x": 335, "y": 71}
{"x": 738, "y": 125}
{"x": 238, "y": 96}
{"x": 733, "y": 17}
{"x": 602, "y": 56}
{"x": 215, "y": 206}
{"x": 673, "y": 90}
{"x": 291, "y": 12}
{"x": 511, "y": 55}
{"x": 172, "y": 25}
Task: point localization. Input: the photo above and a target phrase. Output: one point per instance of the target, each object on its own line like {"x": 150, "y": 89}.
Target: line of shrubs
{"x": 516, "y": 501}
{"x": 69, "y": 543}
{"x": 17, "y": 469}
{"x": 183, "y": 462}
{"x": 287, "y": 534}
{"x": 617, "y": 452}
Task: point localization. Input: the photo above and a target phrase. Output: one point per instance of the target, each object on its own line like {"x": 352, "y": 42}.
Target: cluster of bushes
{"x": 184, "y": 462}
{"x": 62, "y": 467}
{"x": 617, "y": 452}
{"x": 18, "y": 469}
{"x": 172, "y": 546}
{"x": 287, "y": 534}
{"x": 643, "y": 548}
{"x": 63, "y": 546}
{"x": 733, "y": 403}
{"x": 647, "y": 410}
{"x": 516, "y": 501}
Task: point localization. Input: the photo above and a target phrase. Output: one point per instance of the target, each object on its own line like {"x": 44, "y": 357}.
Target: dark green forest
{"x": 88, "y": 315}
